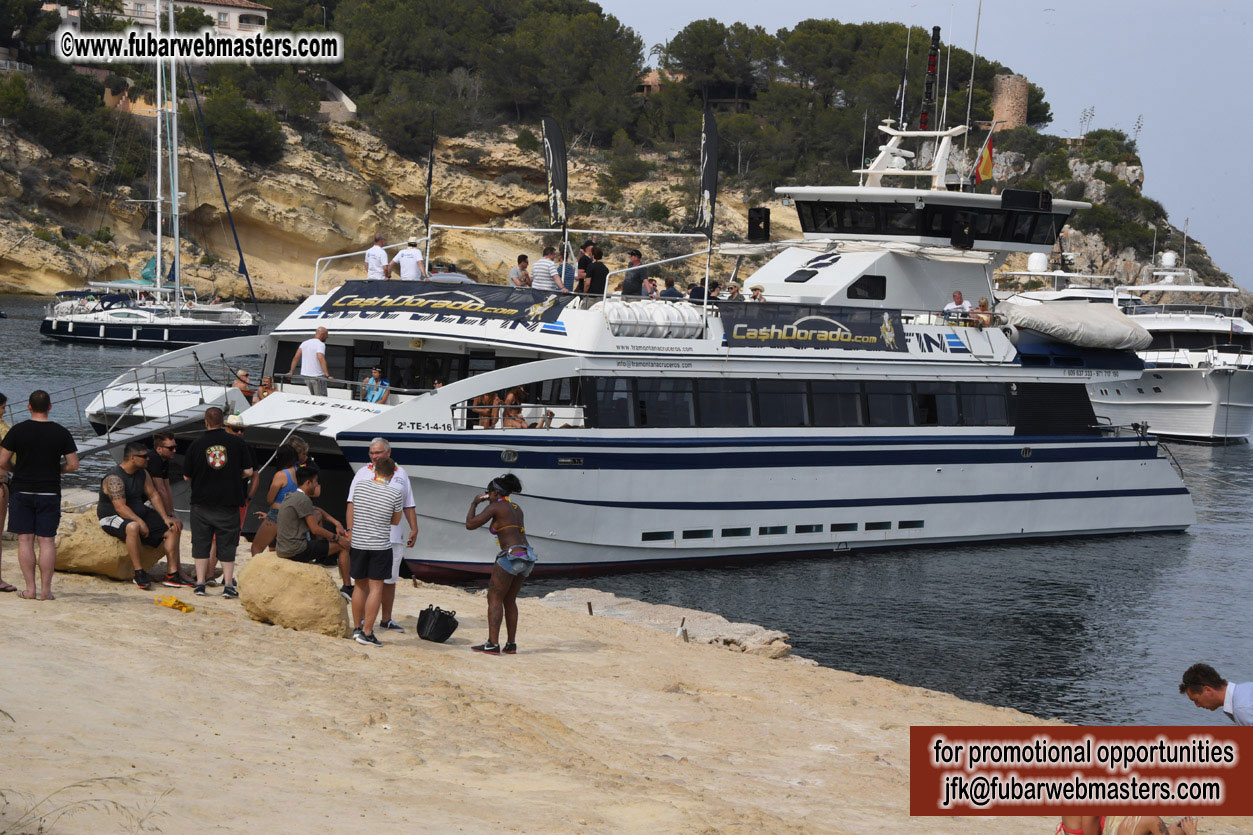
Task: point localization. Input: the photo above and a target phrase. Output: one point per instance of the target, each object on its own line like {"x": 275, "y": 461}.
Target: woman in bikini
{"x": 286, "y": 460}
{"x": 513, "y": 563}
{"x": 1120, "y": 825}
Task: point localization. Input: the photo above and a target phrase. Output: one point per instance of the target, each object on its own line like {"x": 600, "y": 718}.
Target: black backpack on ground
{"x": 435, "y": 624}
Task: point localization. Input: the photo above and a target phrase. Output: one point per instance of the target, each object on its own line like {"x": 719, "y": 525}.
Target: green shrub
{"x": 241, "y": 131}
{"x": 209, "y": 259}
{"x": 104, "y": 234}
{"x": 657, "y": 212}
{"x": 45, "y": 236}
{"x": 1105, "y": 176}
{"x": 82, "y": 240}
{"x": 527, "y": 141}
{"x": 1073, "y": 190}
{"x": 608, "y": 189}
{"x": 1025, "y": 140}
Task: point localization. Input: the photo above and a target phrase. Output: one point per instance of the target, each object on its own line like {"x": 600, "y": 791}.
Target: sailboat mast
{"x": 159, "y": 202}
{"x": 172, "y": 140}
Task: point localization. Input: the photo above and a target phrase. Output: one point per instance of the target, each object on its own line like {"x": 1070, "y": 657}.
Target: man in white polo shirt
{"x": 409, "y": 262}
{"x": 376, "y": 266}
{"x": 1206, "y": 688}
{"x": 381, "y": 448}
{"x": 311, "y": 357}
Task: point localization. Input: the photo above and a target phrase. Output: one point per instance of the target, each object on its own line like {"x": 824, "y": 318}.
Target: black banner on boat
{"x": 486, "y": 301}
{"x": 708, "y": 174}
{"x": 555, "y": 164}
{"x": 768, "y": 325}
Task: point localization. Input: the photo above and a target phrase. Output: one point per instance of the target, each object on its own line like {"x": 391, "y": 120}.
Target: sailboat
{"x": 154, "y": 310}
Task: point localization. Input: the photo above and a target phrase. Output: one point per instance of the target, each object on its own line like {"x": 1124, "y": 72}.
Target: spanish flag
{"x": 983, "y": 168}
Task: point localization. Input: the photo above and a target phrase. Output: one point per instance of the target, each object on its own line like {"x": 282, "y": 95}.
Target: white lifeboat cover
{"x": 1079, "y": 323}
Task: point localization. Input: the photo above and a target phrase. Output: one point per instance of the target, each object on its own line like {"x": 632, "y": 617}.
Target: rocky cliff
{"x": 332, "y": 190}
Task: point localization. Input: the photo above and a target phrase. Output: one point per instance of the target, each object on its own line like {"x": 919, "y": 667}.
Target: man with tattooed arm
{"x": 124, "y": 515}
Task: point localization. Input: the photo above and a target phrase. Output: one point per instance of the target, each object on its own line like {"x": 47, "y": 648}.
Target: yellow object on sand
{"x": 174, "y": 603}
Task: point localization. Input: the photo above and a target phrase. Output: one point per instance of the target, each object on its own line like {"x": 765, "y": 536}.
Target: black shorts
{"x": 318, "y": 552}
{"x": 34, "y": 513}
{"x": 371, "y": 563}
{"x": 115, "y": 526}
{"x": 210, "y": 524}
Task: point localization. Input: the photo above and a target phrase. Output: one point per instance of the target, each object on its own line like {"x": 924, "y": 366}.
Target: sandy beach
{"x": 211, "y": 722}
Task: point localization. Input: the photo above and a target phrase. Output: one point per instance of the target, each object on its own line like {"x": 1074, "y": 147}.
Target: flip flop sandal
{"x": 7, "y": 587}
{"x": 22, "y": 595}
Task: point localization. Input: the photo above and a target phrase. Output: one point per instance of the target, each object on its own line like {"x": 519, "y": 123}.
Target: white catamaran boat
{"x": 1198, "y": 378}
{"x": 845, "y": 412}
{"x": 151, "y": 310}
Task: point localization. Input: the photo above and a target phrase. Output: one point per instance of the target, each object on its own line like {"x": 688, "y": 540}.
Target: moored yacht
{"x": 848, "y": 411}
{"x": 1198, "y": 378}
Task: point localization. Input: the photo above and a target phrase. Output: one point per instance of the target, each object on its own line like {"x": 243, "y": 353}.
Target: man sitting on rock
{"x": 302, "y": 538}
{"x": 124, "y": 515}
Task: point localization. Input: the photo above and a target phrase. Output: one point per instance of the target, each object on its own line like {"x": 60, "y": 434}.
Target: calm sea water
{"x": 1093, "y": 631}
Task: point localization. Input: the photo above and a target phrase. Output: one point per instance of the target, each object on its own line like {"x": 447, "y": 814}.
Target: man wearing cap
{"x": 376, "y": 266}
{"x": 409, "y": 262}
{"x": 756, "y": 291}
{"x": 633, "y": 284}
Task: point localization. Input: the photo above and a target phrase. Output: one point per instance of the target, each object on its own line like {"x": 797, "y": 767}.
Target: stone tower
{"x": 1009, "y": 101}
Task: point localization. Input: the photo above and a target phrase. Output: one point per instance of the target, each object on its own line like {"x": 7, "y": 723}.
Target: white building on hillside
{"x": 230, "y": 17}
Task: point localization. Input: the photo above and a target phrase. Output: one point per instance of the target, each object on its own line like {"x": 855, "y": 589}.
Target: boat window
{"x": 857, "y": 218}
{"x": 1161, "y": 342}
{"x": 613, "y": 402}
{"x": 805, "y": 211}
{"x": 869, "y": 287}
{"x": 809, "y": 528}
{"x": 843, "y": 527}
{"x": 737, "y": 531}
{"x": 366, "y": 354}
{"x": 990, "y": 225}
{"x": 665, "y": 401}
{"x": 801, "y": 276}
{"x": 656, "y": 536}
{"x": 899, "y": 219}
{"x": 724, "y": 402}
{"x": 837, "y": 403}
{"x": 935, "y": 404}
{"x": 1021, "y": 226}
{"x": 889, "y": 404}
{"x": 336, "y": 361}
{"x": 878, "y": 526}
{"x": 782, "y": 403}
{"x": 481, "y": 362}
{"x": 1046, "y": 227}
{"x": 772, "y": 530}
{"x": 937, "y": 221}
{"x": 983, "y": 404}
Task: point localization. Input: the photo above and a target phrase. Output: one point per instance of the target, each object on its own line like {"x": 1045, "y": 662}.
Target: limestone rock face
{"x": 83, "y": 548}
{"x": 292, "y": 594}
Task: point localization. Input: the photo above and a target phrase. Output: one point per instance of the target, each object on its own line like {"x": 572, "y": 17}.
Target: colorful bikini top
{"x": 496, "y": 531}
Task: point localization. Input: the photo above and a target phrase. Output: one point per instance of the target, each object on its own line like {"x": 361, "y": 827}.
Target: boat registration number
{"x": 423, "y": 426}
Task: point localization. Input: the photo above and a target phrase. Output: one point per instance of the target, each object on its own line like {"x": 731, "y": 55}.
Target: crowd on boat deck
{"x": 551, "y": 273}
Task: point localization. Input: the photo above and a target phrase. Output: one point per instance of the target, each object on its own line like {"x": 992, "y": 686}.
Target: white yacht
{"x": 154, "y": 310}
{"x": 1198, "y": 378}
{"x": 845, "y": 412}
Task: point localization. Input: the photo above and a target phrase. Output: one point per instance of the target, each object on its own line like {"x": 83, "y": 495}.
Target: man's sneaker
{"x": 176, "y": 581}
{"x": 391, "y": 625}
{"x": 231, "y": 591}
{"x": 368, "y": 640}
{"x": 211, "y": 582}
{"x": 510, "y": 649}
{"x": 199, "y": 590}
{"x": 143, "y": 580}
{"x": 487, "y": 647}
{"x": 346, "y": 591}
{"x": 357, "y": 630}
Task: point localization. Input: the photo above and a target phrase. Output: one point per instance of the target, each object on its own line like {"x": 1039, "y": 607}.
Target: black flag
{"x": 430, "y": 175}
{"x": 555, "y": 162}
{"x": 708, "y": 174}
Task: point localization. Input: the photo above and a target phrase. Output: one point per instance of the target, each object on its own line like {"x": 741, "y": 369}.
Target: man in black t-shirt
{"x": 633, "y": 284}
{"x": 123, "y": 514}
{"x": 597, "y": 274}
{"x": 35, "y": 489}
{"x": 216, "y": 464}
{"x": 585, "y": 263}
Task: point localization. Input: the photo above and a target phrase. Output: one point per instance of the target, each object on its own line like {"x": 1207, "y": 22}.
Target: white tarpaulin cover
{"x": 1079, "y": 323}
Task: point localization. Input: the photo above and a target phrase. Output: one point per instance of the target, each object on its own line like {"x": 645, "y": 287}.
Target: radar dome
{"x": 1169, "y": 259}
{"x": 1037, "y": 262}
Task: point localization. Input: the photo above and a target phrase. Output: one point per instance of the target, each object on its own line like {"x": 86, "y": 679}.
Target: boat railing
{"x": 1203, "y": 309}
{"x": 468, "y": 415}
{"x": 341, "y": 389}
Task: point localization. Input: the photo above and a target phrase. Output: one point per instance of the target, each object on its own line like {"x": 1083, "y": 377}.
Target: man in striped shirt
{"x": 544, "y": 273}
{"x": 375, "y": 507}
{"x": 380, "y": 448}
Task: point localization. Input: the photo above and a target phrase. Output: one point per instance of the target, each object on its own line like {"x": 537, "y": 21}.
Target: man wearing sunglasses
{"x": 124, "y": 515}
{"x": 159, "y": 471}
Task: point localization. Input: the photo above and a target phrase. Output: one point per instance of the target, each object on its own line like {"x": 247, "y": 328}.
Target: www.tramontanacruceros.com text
{"x": 203, "y": 47}
{"x": 1032, "y": 770}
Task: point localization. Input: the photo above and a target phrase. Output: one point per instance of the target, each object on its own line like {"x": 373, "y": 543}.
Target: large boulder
{"x": 292, "y": 594}
{"x": 83, "y": 548}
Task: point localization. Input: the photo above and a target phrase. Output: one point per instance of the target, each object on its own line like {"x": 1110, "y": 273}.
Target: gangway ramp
{"x": 165, "y": 423}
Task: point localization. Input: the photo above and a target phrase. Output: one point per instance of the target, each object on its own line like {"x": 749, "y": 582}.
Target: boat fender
{"x": 1011, "y": 333}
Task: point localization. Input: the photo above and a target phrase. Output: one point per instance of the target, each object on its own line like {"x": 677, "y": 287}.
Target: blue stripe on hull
{"x": 886, "y": 501}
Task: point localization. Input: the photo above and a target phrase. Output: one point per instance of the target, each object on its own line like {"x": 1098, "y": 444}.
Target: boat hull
{"x": 1199, "y": 405}
{"x": 141, "y": 335}
{"x": 613, "y": 504}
